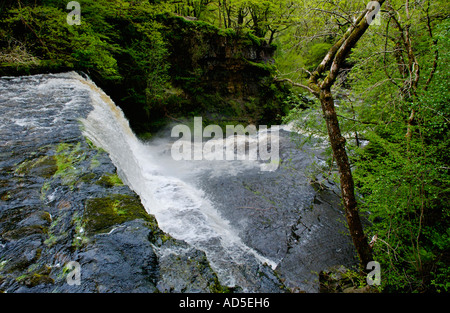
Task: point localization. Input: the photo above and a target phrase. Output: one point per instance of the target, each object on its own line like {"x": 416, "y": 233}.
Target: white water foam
{"x": 181, "y": 209}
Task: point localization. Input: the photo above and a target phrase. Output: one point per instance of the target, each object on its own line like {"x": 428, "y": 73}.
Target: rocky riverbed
{"x": 62, "y": 200}
{"x": 290, "y": 216}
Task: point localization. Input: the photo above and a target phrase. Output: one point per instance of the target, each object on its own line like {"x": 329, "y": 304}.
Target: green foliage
{"x": 264, "y": 18}
{"x": 405, "y": 181}
{"x": 127, "y": 48}
{"x": 118, "y": 43}
{"x": 45, "y": 31}
{"x": 406, "y": 191}
{"x": 400, "y": 164}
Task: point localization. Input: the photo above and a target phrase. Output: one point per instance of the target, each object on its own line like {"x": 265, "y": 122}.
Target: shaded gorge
{"x": 78, "y": 185}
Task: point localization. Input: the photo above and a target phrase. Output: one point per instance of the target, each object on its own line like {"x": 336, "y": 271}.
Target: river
{"x": 247, "y": 220}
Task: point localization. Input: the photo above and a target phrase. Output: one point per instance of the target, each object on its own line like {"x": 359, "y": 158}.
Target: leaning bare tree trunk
{"x": 333, "y": 62}
{"x": 320, "y": 85}
{"x": 346, "y": 179}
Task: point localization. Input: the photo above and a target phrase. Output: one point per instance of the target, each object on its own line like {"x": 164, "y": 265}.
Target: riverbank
{"x": 64, "y": 200}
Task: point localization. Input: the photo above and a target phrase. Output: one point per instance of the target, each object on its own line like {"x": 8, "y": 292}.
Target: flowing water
{"x": 167, "y": 188}
{"x": 247, "y": 220}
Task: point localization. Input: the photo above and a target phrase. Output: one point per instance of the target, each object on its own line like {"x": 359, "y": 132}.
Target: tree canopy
{"x": 386, "y": 86}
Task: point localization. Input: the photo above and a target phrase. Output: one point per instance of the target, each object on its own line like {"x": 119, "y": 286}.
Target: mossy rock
{"x": 24, "y": 232}
{"x": 340, "y": 279}
{"x": 44, "y": 167}
{"x": 102, "y": 214}
{"x": 6, "y": 196}
{"x": 21, "y": 262}
{"x": 33, "y": 279}
{"x": 87, "y": 178}
{"x": 109, "y": 180}
{"x": 38, "y": 279}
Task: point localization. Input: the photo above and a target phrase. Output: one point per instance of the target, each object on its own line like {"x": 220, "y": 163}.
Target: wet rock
{"x": 340, "y": 279}
{"x": 120, "y": 261}
{"x": 23, "y": 232}
{"x": 62, "y": 201}
{"x": 39, "y": 218}
{"x": 18, "y": 255}
{"x": 197, "y": 275}
{"x": 44, "y": 166}
{"x": 285, "y": 217}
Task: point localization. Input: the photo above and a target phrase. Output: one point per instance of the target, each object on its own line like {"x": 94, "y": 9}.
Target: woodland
{"x": 370, "y": 79}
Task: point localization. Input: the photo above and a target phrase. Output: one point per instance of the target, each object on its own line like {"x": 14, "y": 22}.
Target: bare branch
{"x": 436, "y": 51}
{"x": 314, "y": 92}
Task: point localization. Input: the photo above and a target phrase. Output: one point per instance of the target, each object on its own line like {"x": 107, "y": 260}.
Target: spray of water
{"x": 164, "y": 186}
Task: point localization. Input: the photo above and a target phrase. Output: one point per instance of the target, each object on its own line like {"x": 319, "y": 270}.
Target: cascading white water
{"x": 181, "y": 209}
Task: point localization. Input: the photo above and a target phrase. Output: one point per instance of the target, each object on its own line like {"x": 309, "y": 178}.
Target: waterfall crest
{"x": 181, "y": 209}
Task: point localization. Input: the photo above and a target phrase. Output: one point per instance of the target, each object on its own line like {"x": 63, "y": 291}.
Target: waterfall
{"x": 244, "y": 217}
{"x": 166, "y": 188}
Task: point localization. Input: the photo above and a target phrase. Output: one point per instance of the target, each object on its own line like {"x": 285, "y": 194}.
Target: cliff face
{"x": 156, "y": 66}
{"x": 225, "y": 74}
{"x": 227, "y": 63}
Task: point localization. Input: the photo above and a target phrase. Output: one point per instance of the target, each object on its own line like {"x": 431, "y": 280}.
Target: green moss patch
{"x": 43, "y": 166}
{"x": 110, "y": 180}
{"x": 24, "y": 232}
{"x": 101, "y": 214}
{"x": 32, "y": 278}
{"x": 67, "y": 158}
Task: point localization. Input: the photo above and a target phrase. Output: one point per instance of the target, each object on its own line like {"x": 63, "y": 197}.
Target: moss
{"x": 109, "y": 180}
{"x": 54, "y": 232}
{"x": 46, "y": 216}
{"x": 24, "y": 232}
{"x": 79, "y": 238}
{"x": 51, "y": 240}
{"x": 270, "y": 68}
{"x": 44, "y": 189}
{"x": 228, "y": 32}
{"x": 6, "y": 196}
{"x": 37, "y": 279}
{"x": 216, "y": 287}
{"x": 87, "y": 178}
{"x": 101, "y": 214}
{"x": 90, "y": 143}
{"x": 31, "y": 280}
{"x": 68, "y": 156}
{"x": 255, "y": 40}
{"x": 206, "y": 27}
{"x": 43, "y": 166}
{"x": 2, "y": 263}
{"x": 21, "y": 263}
{"x": 158, "y": 237}
{"x": 34, "y": 278}
{"x": 94, "y": 163}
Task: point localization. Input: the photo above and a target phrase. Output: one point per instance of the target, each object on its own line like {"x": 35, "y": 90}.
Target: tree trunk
{"x": 220, "y": 14}
{"x": 321, "y": 88}
{"x": 347, "y": 185}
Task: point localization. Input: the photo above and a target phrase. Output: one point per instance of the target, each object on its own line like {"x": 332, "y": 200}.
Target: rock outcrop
{"x": 62, "y": 201}
{"x": 226, "y": 73}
